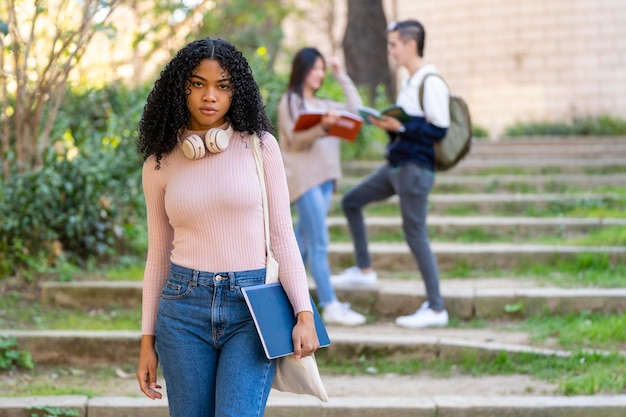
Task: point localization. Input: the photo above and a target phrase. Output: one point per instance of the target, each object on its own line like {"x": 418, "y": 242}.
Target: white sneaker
{"x": 424, "y": 317}
{"x": 341, "y": 313}
{"x": 353, "y": 278}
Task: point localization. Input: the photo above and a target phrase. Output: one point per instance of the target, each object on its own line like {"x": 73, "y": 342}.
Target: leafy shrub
{"x": 85, "y": 202}
{"x": 599, "y": 126}
{"x": 71, "y": 208}
{"x": 48, "y": 411}
{"x": 538, "y": 129}
{"x": 271, "y": 85}
{"x": 479, "y": 131}
{"x": 603, "y": 125}
{"x": 11, "y": 357}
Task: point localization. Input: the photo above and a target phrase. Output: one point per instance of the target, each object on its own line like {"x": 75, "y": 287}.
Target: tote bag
{"x": 300, "y": 376}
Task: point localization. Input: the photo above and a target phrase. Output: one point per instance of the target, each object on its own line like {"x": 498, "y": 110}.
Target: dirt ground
{"x": 123, "y": 383}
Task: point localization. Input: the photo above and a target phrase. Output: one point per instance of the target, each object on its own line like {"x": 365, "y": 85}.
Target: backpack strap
{"x": 420, "y": 95}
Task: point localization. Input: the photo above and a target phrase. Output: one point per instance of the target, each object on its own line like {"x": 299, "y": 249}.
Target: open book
{"x": 394, "y": 111}
{"x": 347, "y": 127}
{"x": 274, "y": 318}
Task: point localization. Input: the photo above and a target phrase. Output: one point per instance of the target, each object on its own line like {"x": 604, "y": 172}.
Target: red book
{"x": 347, "y": 127}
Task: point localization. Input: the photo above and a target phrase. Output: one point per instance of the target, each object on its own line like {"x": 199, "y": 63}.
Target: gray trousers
{"x": 412, "y": 184}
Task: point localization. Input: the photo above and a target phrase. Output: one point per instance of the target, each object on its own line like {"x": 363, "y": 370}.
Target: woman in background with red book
{"x": 313, "y": 165}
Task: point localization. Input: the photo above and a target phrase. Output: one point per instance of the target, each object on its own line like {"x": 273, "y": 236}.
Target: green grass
{"x": 584, "y": 270}
{"x": 19, "y": 312}
{"x": 581, "y": 374}
{"x": 607, "y": 236}
{"x": 130, "y": 272}
{"x": 583, "y": 207}
{"x": 545, "y": 170}
{"x": 585, "y": 330}
{"x": 550, "y": 187}
{"x": 94, "y": 381}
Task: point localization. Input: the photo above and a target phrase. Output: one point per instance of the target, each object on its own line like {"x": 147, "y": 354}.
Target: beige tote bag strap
{"x": 272, "y": 264}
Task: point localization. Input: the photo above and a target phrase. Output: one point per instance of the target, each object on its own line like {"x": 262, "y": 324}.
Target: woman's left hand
{"x": 304, "y": 335}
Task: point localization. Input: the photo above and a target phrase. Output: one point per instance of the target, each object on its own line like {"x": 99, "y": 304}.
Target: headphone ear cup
{"x": 216, "y": 140}
{"x": 193, "y": 147}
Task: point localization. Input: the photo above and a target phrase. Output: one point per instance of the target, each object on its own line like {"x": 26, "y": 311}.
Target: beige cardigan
{"x": 310, "y": 157}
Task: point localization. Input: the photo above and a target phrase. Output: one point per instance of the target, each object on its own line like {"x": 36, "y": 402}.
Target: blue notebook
{"x": 274, "y": 319}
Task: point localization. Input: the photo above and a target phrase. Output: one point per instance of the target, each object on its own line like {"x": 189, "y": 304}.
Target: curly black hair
{"x": 166, "y": 112}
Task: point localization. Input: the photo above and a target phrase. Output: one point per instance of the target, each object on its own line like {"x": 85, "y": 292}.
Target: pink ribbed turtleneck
{"x": 207, "y": 215}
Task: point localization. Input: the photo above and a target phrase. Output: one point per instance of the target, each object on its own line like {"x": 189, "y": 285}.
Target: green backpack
{"x": 458, "y": 140}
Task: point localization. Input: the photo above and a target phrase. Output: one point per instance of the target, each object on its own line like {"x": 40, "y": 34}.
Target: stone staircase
{"x": 474, "y": 196}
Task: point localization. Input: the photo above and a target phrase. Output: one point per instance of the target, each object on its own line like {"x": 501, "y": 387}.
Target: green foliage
{"x": 582, "y": 373}
{"x": 603, "y": 125}
{"x": 583, "y": 330}
{"x": 85, "y": 202}
{"x": 538, "y": 129}
{"x": 48, "y": 411}
{"x": 88, "y": 113}
{"x": 607, "y": 206}
{"x": 479, "y": 131}
{"x": 11, "y": 357}
{"x": 251, "y": 25}
{"x": 271, "y": 85}
{"x": 71, "y": 207}
{"x": 515, "y": 308}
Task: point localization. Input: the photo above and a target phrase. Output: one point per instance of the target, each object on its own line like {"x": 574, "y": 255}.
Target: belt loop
{"x": 194, "y": 279}
{"x": 231, "y": 281}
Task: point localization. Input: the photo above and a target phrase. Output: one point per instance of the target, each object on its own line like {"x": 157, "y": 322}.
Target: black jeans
{"x": 412, "y": 184}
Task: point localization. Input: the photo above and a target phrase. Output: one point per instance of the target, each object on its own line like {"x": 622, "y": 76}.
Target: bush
{"x": 85, "y": 202}
{"x": 48, "y": 411}
{"x": 72, "y": 208}
{"x": 603, "y": 125}
{"x": 11, "y": 357}
{"x": 479, "y": 131}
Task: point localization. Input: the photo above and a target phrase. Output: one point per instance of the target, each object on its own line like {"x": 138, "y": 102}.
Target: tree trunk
{"x": 365, "y": 46}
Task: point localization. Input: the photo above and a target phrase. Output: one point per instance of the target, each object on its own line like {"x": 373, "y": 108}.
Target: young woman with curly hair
{"x": 206, "y": 236}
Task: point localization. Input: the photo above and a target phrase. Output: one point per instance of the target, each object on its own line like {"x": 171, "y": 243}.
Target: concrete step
{"x": 542, "y": 166}
{"x": 545, "y": 147}
{"x": 84, "y": 349}
{"x": 510, "y": 204}
{"x": 485, "y": 165}
{"x": 513, "y": 228}
{"x": 384, "y": 395}
{"x": 486, "y": 298}
{"x": 514, "y": 183}
{"x": 367, "y": 403}
{"x": 396, "y": 257}
{"x": 466, "y": 299}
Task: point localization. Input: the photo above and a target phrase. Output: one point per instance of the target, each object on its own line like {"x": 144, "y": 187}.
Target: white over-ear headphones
{"x": 215, "y": 141}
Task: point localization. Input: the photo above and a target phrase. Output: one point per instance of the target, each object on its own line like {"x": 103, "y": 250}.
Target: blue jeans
{"x": 412, "y": 183}
{"x": 211, "y": 355}
{"x": 312, "y": 235}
